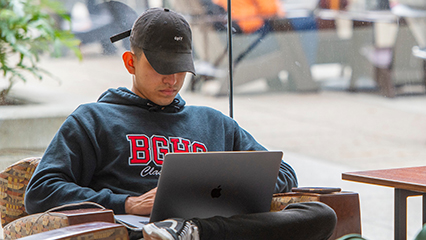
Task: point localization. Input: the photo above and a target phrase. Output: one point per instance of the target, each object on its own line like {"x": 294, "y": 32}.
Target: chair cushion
{"x": 13, "y": 183}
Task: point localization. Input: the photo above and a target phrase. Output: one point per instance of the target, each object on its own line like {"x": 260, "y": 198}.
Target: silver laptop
{"x": 211, "y": 184}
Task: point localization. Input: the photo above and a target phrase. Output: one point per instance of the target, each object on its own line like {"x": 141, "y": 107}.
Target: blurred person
{"x": 250, "y": 15}
{"x": 102, "y": 148}
{"x": 260, "y": 16}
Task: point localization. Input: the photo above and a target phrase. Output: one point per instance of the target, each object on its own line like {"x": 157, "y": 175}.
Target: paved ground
{"x": 322, "y": 134}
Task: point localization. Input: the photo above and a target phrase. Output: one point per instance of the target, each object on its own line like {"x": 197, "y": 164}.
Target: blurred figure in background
{"x": 257, "y": 17}
{"x": 251, "y": 15}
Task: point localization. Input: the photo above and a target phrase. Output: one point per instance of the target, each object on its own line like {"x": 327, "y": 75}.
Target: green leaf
{"x": 9, "y": 36}
{"x": 22, "y": 49}
{"x": 18, "y": 7}
{"x": 27, "y": 31}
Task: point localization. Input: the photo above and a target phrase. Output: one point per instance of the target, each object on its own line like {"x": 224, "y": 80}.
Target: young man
{"x": 110, "y": 152}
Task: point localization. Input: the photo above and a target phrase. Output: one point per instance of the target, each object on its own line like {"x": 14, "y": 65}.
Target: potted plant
{"x": 28, "y": 30}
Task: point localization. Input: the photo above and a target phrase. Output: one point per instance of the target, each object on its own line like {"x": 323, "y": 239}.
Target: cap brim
{"x": 120, "y": 36}
{"x": 167, "y": 63}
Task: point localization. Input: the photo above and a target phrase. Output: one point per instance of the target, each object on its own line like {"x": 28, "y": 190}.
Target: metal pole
{"x": 231, "y": 84}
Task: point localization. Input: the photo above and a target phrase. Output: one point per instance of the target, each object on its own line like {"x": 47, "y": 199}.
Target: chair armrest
{"x": 93, "y": 230}
{"x": 344, "y": 203}
{"x": 48, "y": 221}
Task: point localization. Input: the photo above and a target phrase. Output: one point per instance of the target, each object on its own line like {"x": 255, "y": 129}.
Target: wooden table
{"x": 410, "y": 181}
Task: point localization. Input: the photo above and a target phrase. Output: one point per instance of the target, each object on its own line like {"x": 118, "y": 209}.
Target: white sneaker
{"x": 171, "y": 229}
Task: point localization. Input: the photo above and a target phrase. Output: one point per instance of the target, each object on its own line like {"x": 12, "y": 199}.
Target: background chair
{"x": 414, "y": 12}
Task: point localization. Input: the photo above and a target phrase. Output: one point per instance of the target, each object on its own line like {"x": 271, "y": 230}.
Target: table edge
{"x": 382, "y": 182}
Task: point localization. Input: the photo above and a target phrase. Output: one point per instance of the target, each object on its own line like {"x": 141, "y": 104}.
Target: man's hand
{"x": 141, "y": 205}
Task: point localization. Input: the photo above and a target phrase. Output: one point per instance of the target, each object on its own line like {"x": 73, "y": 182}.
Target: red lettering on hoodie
{"x": 139, "y": 149}
{"x": 144, "y": 149}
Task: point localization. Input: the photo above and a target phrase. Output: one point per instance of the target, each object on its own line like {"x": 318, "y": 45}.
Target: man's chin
{"x": 164, "y": 102}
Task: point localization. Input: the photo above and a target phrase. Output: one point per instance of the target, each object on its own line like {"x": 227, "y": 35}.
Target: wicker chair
{"x": 13, "y": 183}
{"x": 17, "y": 223}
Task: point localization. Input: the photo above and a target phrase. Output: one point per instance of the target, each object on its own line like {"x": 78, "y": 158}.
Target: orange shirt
{"x": 250, "y": 14}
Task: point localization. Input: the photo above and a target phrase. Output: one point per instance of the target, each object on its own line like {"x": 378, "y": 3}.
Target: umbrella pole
{"x": 230, "y": 62}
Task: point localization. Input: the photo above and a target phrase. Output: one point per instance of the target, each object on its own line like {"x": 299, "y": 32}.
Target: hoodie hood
{"x": 124, "y": 96}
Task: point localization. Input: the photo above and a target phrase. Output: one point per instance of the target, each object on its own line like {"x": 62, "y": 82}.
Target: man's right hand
{"x": 141, "y": 205}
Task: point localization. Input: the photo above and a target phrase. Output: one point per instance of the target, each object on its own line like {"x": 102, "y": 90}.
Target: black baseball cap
{"x": 165, "y": 38}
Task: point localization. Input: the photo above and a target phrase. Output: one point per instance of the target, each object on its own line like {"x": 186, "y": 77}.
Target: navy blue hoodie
{"x": 114, "y": 148}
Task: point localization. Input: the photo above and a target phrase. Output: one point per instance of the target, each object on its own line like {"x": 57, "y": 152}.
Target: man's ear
{"x": 128, "y": 59}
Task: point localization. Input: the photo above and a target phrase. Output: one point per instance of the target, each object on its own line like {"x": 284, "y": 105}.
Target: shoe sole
{"x": 151, "y": 232}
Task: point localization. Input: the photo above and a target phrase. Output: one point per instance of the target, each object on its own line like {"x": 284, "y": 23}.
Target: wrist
{"x": 128, "y": 205}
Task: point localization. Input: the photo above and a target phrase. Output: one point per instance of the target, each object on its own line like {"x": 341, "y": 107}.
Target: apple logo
{"x": 215, "y": 193}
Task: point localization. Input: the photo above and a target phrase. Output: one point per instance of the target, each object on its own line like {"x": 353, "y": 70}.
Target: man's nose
{"x": 170, "y": 79}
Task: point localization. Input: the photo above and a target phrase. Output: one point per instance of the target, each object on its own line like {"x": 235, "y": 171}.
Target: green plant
{"x": 28, "y": 30}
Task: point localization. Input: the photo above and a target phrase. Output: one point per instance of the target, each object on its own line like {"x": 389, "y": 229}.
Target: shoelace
{"x": 186, "y": 231}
